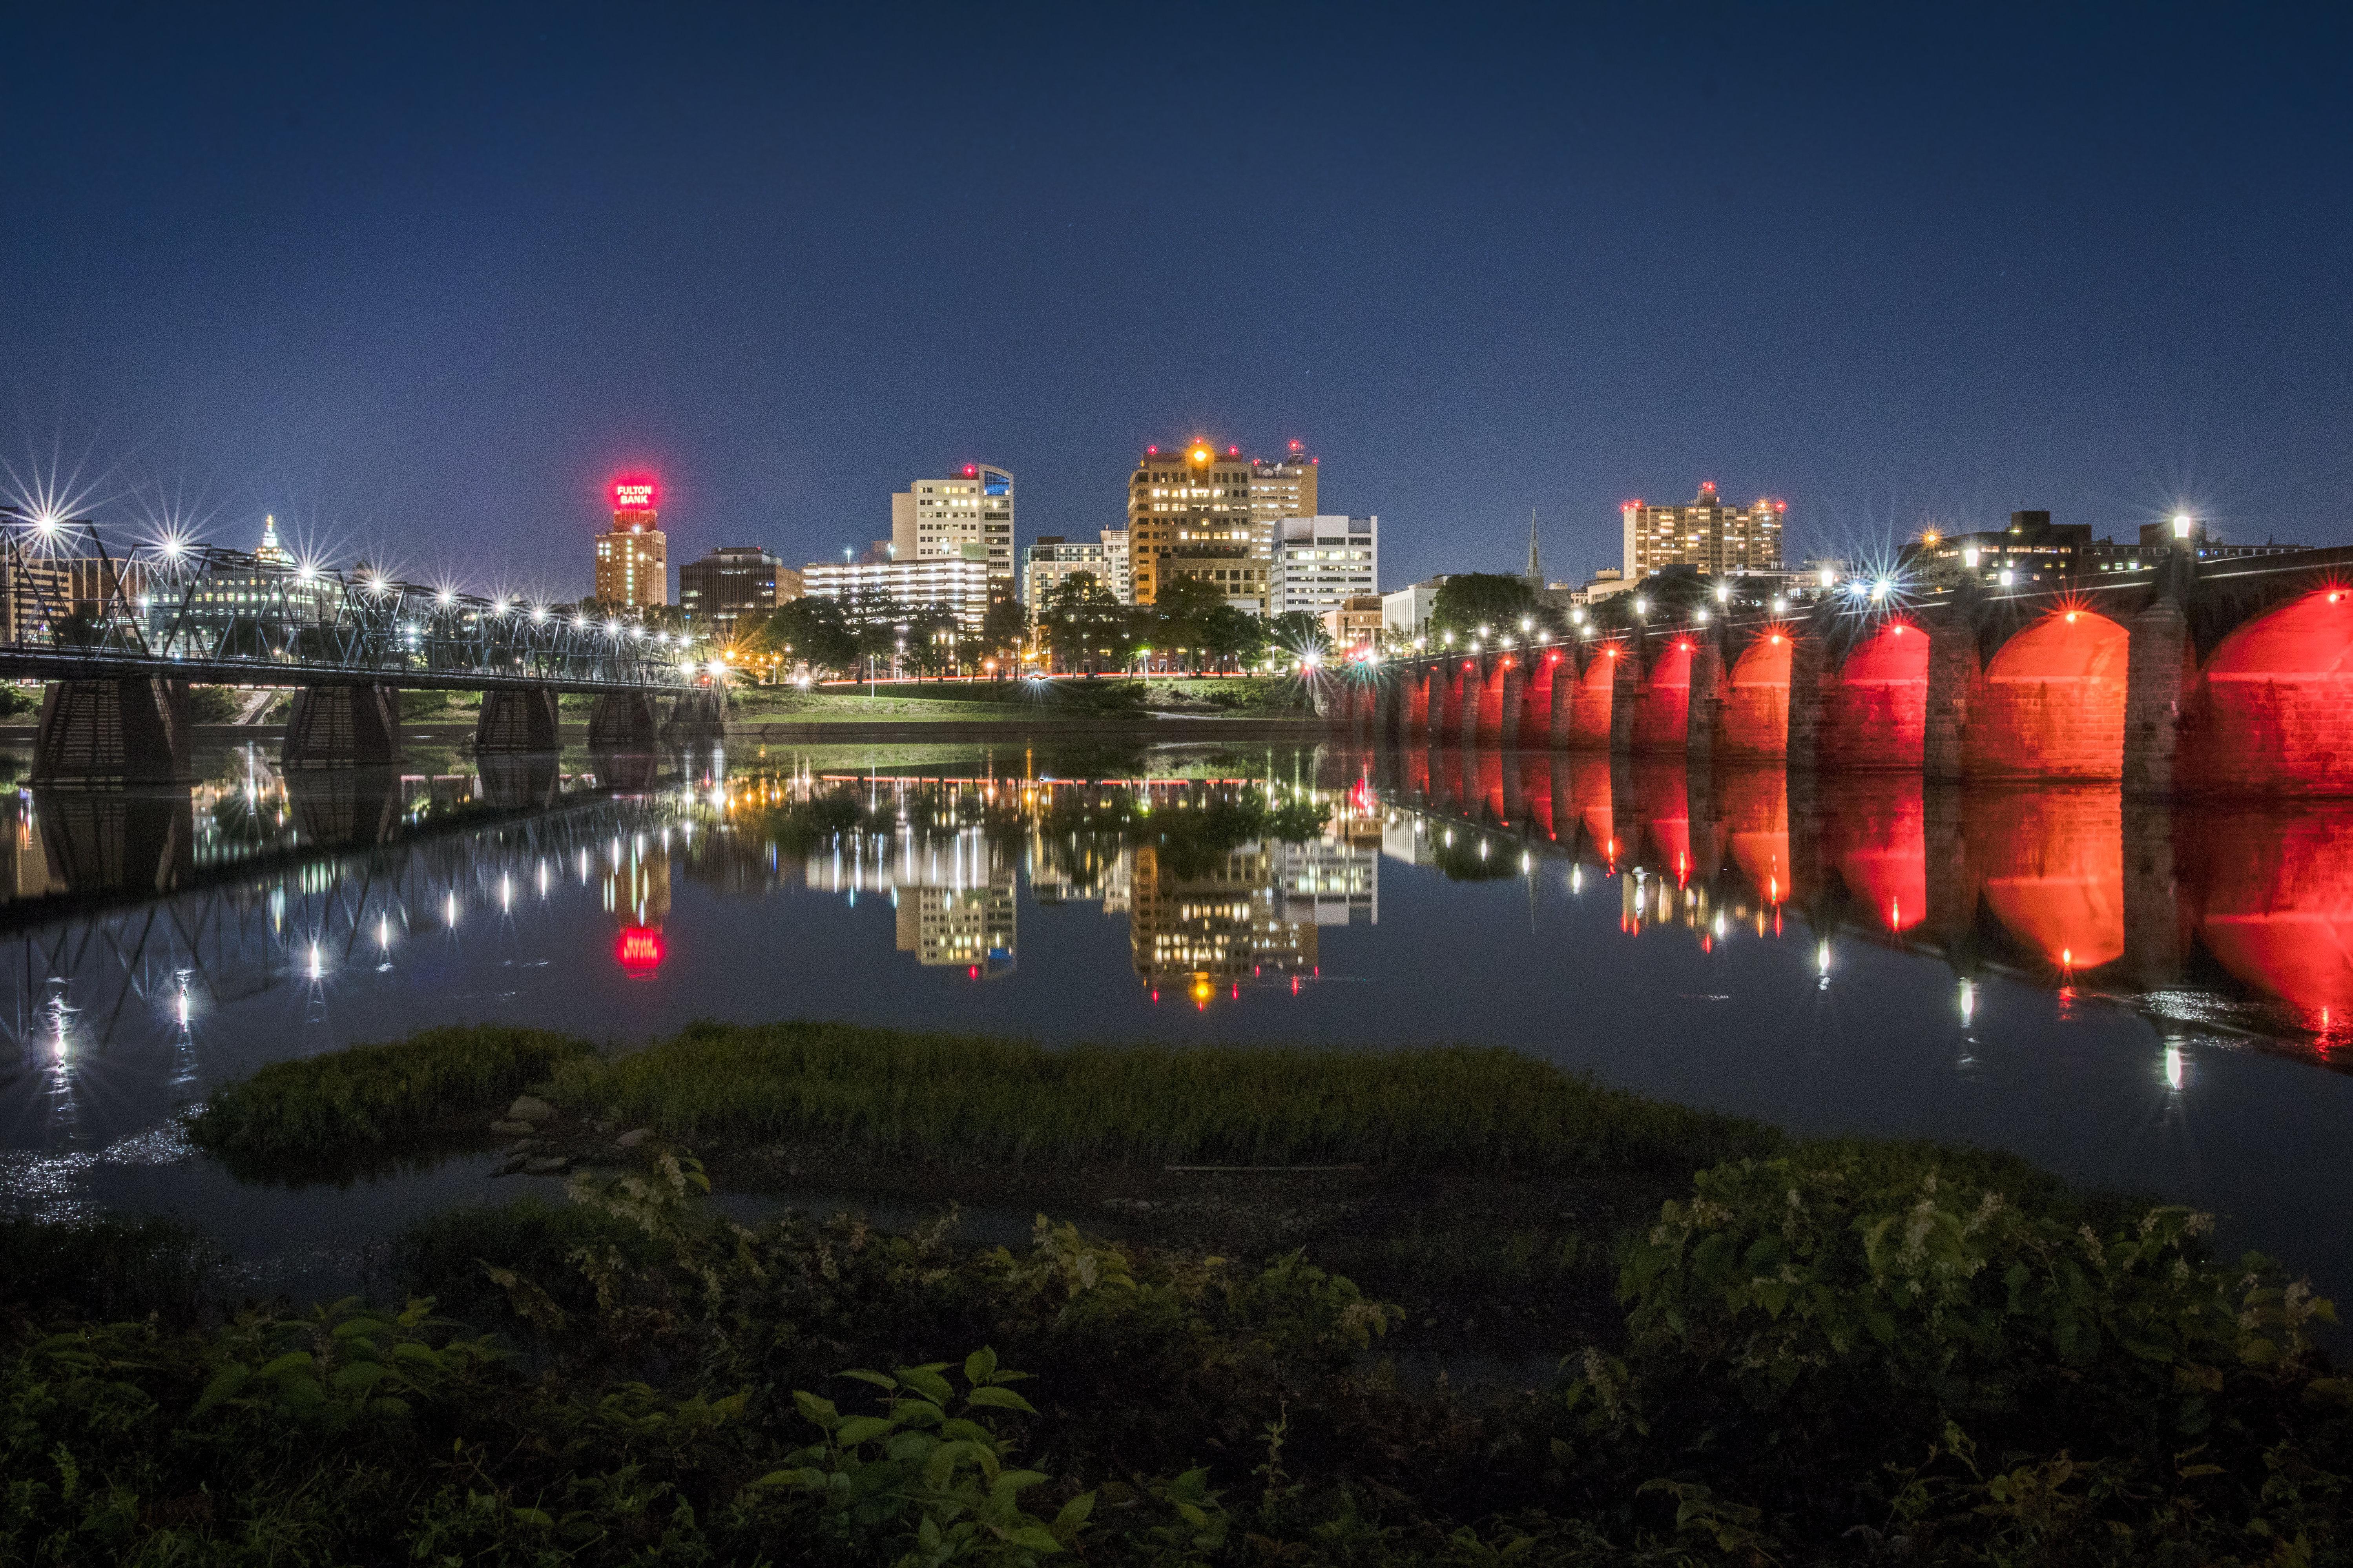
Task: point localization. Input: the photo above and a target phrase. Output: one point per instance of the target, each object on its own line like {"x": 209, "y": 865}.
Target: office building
{"x": 1321, "y": 562}
{"x": 944, "y": 519}
{"x": 732, "y": 581}
{"x": 2033, "y": 549}
{"x": 1705, "y": 533}
{"x": 1188, "y": 515}
{"x": 1280, "y": 488}
{"x": 1405, "y": 614}
{"x": 1356, "y": 623}
{"x": 37, "y": 593}
{"x": 960, "y": 584}
{"x": 1052, "y": 560}
{"x": 632, "y": 560}
{"x": 1120, "y": 582}
{"x": 265, "y": 586}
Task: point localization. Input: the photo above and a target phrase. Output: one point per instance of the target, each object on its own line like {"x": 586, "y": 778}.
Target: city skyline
{"x": 420, "y": 282}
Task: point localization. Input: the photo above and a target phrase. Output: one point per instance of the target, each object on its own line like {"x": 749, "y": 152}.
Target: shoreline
{"x": 769, "y": 731}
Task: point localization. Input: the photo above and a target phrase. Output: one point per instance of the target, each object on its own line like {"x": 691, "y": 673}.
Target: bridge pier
{"x": 115, "y": 732}
{"x": 1454, "y": 699}
{"x": 623, "y": 722}
{"x": 516, "y": 721}
{"x": 354, "y": 725}
{"x": 1705, "y": 702}
{"x": 2159, "y": 669}
{"x": 1953, "y": 678}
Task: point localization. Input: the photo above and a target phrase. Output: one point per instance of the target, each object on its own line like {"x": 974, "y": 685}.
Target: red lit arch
{"x": 1875, "y": 714}
{"x": 1663, "y": 706}
{"x": 2271, "y": 710}
{"x": 1755, "y": 722}
{"x": 2053, "y": 702}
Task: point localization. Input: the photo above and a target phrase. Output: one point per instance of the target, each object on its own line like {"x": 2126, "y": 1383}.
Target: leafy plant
{"x": 930, "y": 1477}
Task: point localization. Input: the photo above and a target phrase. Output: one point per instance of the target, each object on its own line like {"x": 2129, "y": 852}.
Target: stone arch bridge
{"x": 2223, "y": 677}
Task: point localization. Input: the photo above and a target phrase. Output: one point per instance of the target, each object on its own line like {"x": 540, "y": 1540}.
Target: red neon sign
{"x": 641, "y": 951}
{"x": 634, "y": 493}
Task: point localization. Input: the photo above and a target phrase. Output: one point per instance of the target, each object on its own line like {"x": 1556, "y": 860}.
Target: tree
{"x": 1230, "y": 636}
{"x": 1084, "y": 623}
{"x": 1294, "y": 633}
{"x": 815, "y": 632}
{"x": 1471, "y": 600}
{"x": 1002, "y": 632}
{"x": 1181, "y": 615}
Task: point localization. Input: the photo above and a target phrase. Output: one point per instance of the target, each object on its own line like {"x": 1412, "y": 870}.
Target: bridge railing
{"x": 69, "y": 599}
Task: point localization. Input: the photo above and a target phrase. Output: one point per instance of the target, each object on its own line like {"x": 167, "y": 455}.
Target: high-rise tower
{"x": 633, "y": 560}
{"x": 967, "y": 516}
{"x": 1706, "y": 533}
{"x": 1188, "y": 515}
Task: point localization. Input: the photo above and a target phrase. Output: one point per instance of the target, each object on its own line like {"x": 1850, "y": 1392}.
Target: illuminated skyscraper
{"x": 632, "y": 561}
{"x": 968, "y": 517}
{"x": 1188, "y": 515}
{"x": 1706, "y": 533}
{"x": 1280, "y": 488}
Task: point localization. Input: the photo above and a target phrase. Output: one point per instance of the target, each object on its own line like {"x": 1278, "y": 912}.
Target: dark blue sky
{"x": 423, "y": 281}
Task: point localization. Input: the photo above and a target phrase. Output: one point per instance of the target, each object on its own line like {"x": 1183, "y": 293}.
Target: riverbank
{"x": 1853, "y": 1351}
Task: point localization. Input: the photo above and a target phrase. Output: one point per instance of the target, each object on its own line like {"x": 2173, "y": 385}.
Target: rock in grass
{"x": 633, "y": 1137}
{"x": 531, "y": 1109}
{"x": 506, "y": 1129}
{"x": 545, "y": 1166}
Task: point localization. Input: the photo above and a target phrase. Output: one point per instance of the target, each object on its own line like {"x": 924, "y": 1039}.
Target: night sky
{"x": 422, "y": 282}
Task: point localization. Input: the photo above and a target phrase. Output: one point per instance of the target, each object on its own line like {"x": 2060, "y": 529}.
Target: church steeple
{"x": 1535, "y": 573}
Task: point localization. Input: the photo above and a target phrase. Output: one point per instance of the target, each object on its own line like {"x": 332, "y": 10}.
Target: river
{"x": 2136, "y": 997}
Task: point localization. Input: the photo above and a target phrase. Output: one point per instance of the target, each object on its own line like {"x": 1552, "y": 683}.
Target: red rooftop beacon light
{"x": 970, "y": 470}
{"x": 641, "y": 951}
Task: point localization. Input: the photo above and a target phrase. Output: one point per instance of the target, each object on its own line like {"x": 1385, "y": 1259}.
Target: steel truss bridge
{"x": 76, "y": 610}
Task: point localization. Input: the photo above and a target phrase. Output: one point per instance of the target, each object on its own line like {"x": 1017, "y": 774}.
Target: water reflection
{"x": 263, "y": 914}
{"x": 2246, "y": 910}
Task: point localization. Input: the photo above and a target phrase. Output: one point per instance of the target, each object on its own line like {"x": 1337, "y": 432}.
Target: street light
{"x": 2183, "y": 524}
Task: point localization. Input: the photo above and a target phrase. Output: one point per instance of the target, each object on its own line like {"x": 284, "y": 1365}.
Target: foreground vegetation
{"x": 1841, "y": 1352}
{"x": 352, "y": 1109}
{"x": 975, "y": 1096}
{"x": 1822, "y": 1360}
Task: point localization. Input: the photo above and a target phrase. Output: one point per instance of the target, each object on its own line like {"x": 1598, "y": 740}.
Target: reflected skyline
{"x": 2071, "y": 888}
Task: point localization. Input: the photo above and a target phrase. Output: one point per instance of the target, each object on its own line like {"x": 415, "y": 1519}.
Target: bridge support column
{"x": 1625, "y": 697}
{"x": 1808, "y": 675}
{"x": 1953, "y": 676}
{"x": 1706, "y": 700}
{"x": 115, "y": 732}
{"x": 516, "y": 721}
{"x": 1499, "y": 704}
{"x": 1457, "y": 690}
{"x": 2158, "y": 667}
{"x": 623, "y": 722}
{"x": 698, "y": 715}
{"x": 341, "y": 726}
